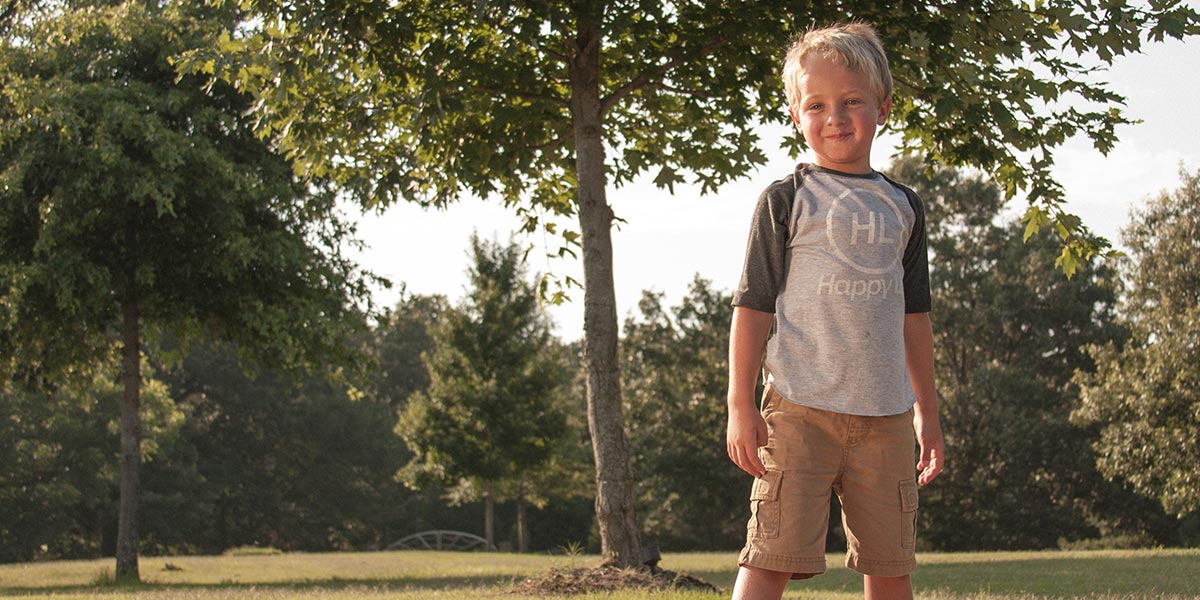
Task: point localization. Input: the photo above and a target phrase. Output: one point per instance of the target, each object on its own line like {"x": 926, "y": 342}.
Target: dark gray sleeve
{"x": 916, "y": 261}
{"x": 766, "y": 250}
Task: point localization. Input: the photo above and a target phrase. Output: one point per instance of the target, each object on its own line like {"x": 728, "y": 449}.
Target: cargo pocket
{"x": 764, "y": 505}
{"x": 908, "y": 514}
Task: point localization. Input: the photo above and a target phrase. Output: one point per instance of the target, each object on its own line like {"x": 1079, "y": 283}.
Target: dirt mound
{"x": 607, "y": 578}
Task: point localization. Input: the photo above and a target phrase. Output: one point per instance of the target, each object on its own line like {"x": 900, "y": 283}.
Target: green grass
{"x": 1102, "y": 575}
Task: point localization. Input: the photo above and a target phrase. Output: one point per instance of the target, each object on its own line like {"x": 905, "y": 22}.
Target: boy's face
{"x": 838, "y": 115}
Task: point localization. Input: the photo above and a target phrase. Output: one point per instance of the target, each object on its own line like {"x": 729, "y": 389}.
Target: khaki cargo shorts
{"x": 870, "y": 462}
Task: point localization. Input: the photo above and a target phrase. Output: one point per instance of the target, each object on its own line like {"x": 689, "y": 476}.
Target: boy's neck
{"x": 845, "y": 170}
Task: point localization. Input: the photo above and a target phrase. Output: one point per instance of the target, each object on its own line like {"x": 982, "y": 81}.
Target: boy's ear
{"x": 885, "y": 109}
{"x": 792, "y": 114}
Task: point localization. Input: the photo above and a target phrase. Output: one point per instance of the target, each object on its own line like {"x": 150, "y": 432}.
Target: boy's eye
{"x": 854, "y": 101}
{"x": 815, "y": 106}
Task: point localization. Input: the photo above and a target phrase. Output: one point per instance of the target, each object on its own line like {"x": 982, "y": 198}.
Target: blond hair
{"x": 855, "y": 46}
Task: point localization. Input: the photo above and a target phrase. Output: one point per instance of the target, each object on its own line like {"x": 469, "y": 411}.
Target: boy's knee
{"x": 887, "y": 588}
{"x": 754, "y": 583}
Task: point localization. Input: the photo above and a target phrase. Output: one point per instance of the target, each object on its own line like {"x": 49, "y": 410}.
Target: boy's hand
{"x": 929, "y": 436}
{"x": 746, "y": 433}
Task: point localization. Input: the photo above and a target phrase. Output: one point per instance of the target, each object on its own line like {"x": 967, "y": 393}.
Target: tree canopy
{"x": 426, "y": 102}
{"x": 1145, "y": 395}
{"x": 119, "y": 175}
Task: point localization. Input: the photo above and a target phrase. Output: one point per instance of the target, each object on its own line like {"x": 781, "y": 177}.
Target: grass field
{"x": 1102, "y": 575}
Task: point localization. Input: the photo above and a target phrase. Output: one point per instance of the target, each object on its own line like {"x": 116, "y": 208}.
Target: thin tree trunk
{"x": 489, "y": 516}
{"x": 619, "y": 539}
{"x": 522, "y": 534}
{"x": 131, "y": 455}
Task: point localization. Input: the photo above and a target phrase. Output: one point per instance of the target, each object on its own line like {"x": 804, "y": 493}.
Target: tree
{"x": 399, "y": 343}
{"x": 1145, "y": 395}
{"x": 134, "y": 201}
{"x": 542, "y": 104}
{"x": 1010, "y": 336}
{"x": 489, "y": 416}
{"x": 674, "y": 363}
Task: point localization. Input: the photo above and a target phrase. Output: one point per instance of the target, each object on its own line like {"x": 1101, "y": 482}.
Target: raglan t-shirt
{"x": 839, "y": 259}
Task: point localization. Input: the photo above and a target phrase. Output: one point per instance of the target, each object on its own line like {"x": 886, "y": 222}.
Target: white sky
{"x": 668, "y": 239}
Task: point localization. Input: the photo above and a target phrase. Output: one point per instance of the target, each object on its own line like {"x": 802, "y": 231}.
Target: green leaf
{"x": 1068, "y": 261}
{"x": 1034, "y": 219}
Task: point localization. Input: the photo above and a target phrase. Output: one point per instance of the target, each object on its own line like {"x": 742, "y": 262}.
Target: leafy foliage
{"x": 399, "y": 343}
{"x": 1143, "y": 395}
{"x": 1009, "y": 339}
{"x": 115, "y": 169}
{"x": 675, "y": 365}
{"x": 488, "y": 414}
{"x": 58, "y": 476}
{"x": 433, "y": 100}
{"x": 270, "y": 460}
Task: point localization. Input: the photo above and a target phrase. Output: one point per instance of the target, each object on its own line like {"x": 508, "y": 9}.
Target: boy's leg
{"x": 790, "y": 503}
{"x": 878, "y": 489}
{"x": 759, "y": 584}
{"x": 886, "y": 588}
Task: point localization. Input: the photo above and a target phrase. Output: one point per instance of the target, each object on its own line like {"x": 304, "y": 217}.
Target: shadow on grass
{"x": 405, "y": 584}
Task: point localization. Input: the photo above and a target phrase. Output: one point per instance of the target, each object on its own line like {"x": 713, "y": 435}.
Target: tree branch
{"x": 557, "y": 141}
{"x": 908, "y": 84}
{"x": 6, "y": 13}
{"x": 645, "y": 79}
{"x": 563, "y": 57}
{"x": 523, "y": 95}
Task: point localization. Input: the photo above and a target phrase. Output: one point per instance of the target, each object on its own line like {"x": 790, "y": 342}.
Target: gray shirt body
{"x": 840, "y": 259}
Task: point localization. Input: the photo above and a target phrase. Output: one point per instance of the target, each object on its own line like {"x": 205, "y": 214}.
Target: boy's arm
{"x": 747, "y": 431}
{"x": 918, "y": 356}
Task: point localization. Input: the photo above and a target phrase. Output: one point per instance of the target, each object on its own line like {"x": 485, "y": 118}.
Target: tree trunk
{"x": 489, "y": 517}
{"x": 522, "y": 534}
{"x": 619, "y": 539}
{"x": 131, "y": 454}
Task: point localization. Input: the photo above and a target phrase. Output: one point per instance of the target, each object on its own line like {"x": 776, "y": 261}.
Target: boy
{"x": 837, "y": 263}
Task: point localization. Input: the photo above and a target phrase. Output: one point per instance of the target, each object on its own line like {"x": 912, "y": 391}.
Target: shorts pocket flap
{"x": 767, "y": 487}
{"x": 908, "y": 495}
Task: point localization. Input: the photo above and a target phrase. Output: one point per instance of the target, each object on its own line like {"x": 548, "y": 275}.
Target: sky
{"x": 668, "y": 239}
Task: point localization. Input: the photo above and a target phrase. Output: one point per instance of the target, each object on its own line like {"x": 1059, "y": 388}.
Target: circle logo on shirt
{"x": 866, "y": 230}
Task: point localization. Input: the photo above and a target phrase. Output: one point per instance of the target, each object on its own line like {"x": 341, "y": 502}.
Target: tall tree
{"x": 489, "y": 415}
{"x": 543, "y": 104}
{"x": 1145, "y": 395}
{"x": 134, "y": 201}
